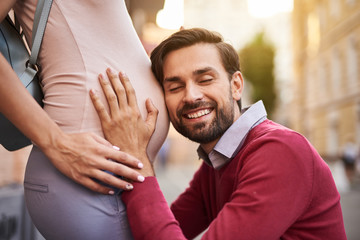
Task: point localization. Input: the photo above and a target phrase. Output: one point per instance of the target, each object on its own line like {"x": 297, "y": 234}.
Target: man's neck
{"x": 208, "y": 147}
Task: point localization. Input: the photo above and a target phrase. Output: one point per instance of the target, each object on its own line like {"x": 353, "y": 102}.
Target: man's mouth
{"x": 198, "y": 114}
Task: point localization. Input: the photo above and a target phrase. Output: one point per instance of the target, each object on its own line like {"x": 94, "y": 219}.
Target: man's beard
{"x": 204, "y": 132}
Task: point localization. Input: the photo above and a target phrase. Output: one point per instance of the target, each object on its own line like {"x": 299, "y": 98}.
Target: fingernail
{"x": 92, "y": 91}
{"x": 140, "y": 165}
{"x": 116, "y": 148}
{"x": 111, "y": 192}
{"x": 124, "y": 75}
{"x": 140, "y": 178}
{"x": 110, "y": 70}
{"x": 129, "y": 187}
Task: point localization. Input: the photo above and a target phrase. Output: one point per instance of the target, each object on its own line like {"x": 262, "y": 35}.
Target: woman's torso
{"x": 81, "y": 40}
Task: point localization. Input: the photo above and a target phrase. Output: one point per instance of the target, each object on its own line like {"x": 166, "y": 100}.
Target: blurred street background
{"x": 301, "y": 57}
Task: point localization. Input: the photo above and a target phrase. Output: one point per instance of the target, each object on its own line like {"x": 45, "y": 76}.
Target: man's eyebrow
{"x": 204, "y": 70}
{"x": 195, "y": 72}
{"x": 171, "y": 79}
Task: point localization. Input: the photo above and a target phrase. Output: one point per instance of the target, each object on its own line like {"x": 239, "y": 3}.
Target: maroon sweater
{"x": 277, "y": 186}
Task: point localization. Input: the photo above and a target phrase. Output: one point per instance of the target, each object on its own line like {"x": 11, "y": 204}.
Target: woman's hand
{"x": 84, "y": 157}
{"x": 124, "y": 125}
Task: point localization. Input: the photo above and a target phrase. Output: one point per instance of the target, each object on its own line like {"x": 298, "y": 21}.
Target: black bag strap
{"x": 40, "y": 19}
{"x": 41, "y": 16}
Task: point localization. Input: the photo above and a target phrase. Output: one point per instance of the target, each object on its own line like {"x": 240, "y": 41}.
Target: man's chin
{"x": 202, "y": 139}
{"x": 199, "y": 136}
{"x": 189, "y": 133}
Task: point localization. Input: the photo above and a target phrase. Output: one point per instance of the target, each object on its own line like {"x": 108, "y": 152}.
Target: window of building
{"x": 332, "y": 139}
{"x": 321, "y": 10}
{"x": 335, "y": 8}
{"x": 313, "y": 27}
{"x": 335, "y": 71}
{"x": 352, "y": 63}
{"x": 350, "y": 2}
{"x": 308, "y": 83}
{"x": 323, "y": 84}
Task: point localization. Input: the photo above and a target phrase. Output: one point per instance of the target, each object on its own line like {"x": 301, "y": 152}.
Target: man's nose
{"x": 192, "y": 93}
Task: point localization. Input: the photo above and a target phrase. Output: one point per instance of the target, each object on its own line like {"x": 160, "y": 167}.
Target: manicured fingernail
{"x": 116, "y": 148}
{"x": 140, "y": 178}
{"x": 129, "y": 187}
{"x": 140, "y": 165}
{"x": 92, "y": 91}
{"x": 110, "y": 70}
{"x": 111, "y": 192}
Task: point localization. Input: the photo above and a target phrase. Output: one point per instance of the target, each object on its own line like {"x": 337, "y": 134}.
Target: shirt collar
{"x": 231, "y": 141}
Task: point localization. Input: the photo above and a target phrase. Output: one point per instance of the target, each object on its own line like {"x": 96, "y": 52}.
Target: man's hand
{"x": 83, "y": 157}
{"x": 124, "y": 125}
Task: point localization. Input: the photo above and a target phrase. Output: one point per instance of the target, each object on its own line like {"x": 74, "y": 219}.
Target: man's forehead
{"x": 192, "y": 60}
{"x": 194, "y": 50}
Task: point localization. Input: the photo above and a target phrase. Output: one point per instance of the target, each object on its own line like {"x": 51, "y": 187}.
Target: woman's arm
{"x": 5, "y": 7}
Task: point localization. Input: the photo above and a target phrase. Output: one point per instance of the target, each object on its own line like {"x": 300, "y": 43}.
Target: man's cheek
{"x": 173, "y": 118}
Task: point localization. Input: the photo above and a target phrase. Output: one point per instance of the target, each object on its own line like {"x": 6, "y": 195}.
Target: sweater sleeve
{"x": 149, "y": 214}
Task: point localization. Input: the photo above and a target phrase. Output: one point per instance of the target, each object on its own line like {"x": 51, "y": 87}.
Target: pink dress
{"x": 82, "y": 39}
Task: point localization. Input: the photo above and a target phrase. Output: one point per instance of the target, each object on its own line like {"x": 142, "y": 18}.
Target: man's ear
{"x": 237, "y": 85}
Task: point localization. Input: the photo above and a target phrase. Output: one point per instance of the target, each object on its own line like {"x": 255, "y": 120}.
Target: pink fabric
{"x": 276, "y": 187}
{"x": 81, "y": 40}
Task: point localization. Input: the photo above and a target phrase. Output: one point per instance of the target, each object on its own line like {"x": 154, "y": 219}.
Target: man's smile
{"x": 197, "y": 114}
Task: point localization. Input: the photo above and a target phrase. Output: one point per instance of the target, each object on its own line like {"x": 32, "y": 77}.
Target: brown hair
{"x": 189, "y": 37}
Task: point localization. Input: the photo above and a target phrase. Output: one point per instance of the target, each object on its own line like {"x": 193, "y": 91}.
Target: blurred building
{"x": 143, "y": 12}
{"x": 326, "y": 103}
{"x": 232, "y": 19}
